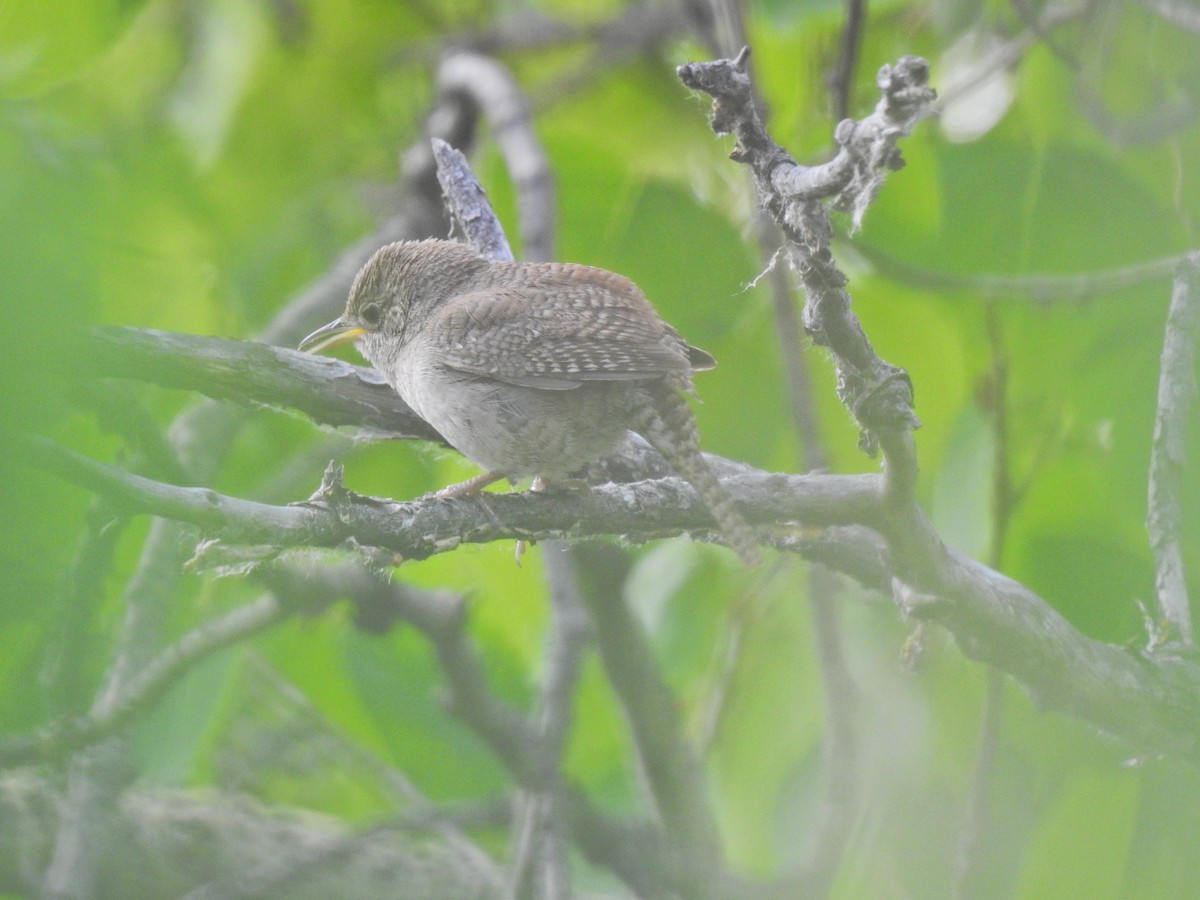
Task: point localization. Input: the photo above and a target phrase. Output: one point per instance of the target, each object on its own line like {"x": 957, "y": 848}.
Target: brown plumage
{"x": 530, "y": 368}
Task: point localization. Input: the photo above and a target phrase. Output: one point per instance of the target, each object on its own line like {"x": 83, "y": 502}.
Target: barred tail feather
{"x": 668, "y": 423}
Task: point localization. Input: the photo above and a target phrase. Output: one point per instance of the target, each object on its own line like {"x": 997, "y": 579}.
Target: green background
{"x": 189, "y": 166}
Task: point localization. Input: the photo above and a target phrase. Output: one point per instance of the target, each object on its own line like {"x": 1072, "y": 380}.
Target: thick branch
{"x": 165, "y": 843}
{"x": 1156, "y": 707}
{"x": 417, "y": 529}
{"x": 672, "y": 770}
{"x": 328, "y": 390}
{"x": 998, "y": 621}
{"x": 993, "y": 618}
{"x": 541, "y": 867}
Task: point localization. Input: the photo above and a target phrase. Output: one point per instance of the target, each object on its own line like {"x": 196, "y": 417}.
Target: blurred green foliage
{"x": 190, "y": 165}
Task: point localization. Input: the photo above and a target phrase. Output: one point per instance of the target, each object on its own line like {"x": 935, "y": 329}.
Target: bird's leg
{"x": 473, "y": 487}
{"x": 468, "y": 488}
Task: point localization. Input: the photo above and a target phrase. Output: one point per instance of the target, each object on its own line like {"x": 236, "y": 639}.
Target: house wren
{"x": 530, "y": 368}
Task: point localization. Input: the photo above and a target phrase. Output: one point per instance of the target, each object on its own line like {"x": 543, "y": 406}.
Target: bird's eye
{"x": 371, "y": 315}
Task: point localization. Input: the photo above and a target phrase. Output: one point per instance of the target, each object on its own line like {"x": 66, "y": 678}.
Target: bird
{"x": 530, "y": 368}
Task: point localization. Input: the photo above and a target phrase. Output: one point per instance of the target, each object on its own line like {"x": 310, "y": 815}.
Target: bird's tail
{"x": 669, "y": 424}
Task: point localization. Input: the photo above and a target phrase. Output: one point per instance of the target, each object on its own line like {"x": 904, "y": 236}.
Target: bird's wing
{"x": 561, "y": 326}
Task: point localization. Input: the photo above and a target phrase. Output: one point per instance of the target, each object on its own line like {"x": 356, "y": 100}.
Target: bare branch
{"x": 841, "y": 79}
{"x": 467, "y": 203}
{"x": 1185, "y": 15}
{"x": 153, "y": 837}
{"x": 994, "y": 619}
{"x": 1043, "y": 289}
{"x": 541, "y": 865}
{"x": 492, "y": 88}
{"x": 417, "y": 529}
{"x": 1168, "y": 454}
{"x": 328, "y": 390}
{"x": 146, "y": 687}
{"x": 1007, "y": 54}
{"x": 637, "y": 851}
{"x": 877, "y": 393}
{"x": 672, "y": 771}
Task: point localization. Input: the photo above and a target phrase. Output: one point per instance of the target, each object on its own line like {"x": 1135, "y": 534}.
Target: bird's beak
{"x": 336, "y": 332}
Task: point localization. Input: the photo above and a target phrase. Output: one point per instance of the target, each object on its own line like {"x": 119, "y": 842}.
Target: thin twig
{"x": 974, "y": 842}
{"x": 1168, "y": 452}
{"x": 841, "y": 79}
{"x": 1185, "y": 15}
{"x": 1007, "y": 54}
{"x": 59, "y": 737}
{"x": 1043, "y": 289}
